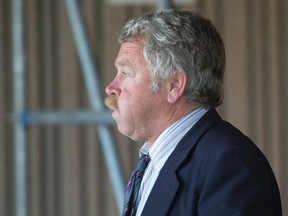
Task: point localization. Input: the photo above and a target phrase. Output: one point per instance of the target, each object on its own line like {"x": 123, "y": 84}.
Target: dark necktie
{"x": 132, "y": 190}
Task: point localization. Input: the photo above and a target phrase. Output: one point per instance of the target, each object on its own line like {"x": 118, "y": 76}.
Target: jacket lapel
{"x": 167, "y": 184}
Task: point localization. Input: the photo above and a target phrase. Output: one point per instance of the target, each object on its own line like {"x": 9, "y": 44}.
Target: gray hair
{"x": 182, "y": 41}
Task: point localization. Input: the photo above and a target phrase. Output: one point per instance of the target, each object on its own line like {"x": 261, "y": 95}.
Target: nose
{"x": 113, "y": 88}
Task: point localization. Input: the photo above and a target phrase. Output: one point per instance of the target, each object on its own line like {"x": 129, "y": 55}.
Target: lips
{"x": 111, "y": 102}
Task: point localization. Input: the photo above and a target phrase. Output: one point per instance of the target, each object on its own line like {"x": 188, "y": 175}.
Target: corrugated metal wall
{"x": 67, "y": 175}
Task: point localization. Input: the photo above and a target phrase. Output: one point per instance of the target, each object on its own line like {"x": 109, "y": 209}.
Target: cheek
{"x": 133, "y": 104}
{"x": 126, "y": 103}
{"x": 133, "y": 94}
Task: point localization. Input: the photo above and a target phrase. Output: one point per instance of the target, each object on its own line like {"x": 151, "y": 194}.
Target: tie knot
{"x": 142, "y": 163}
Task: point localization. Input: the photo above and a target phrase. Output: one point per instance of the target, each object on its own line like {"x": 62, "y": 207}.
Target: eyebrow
{"x": 124, "y": 63}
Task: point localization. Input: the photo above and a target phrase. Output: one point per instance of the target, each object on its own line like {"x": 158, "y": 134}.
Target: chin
{"x": 125, "y": 131}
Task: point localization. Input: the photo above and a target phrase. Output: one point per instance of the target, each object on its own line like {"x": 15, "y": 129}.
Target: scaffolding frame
{"x": 97, "y": 115}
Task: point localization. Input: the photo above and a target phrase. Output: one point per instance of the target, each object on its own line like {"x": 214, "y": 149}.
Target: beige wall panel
{"x": 2, "y": 125}
{"x": 236, "y": 93}
{"x": 274, "y": 78}
{"x": 257, "y": 98}
{"x": 67, "y": 173}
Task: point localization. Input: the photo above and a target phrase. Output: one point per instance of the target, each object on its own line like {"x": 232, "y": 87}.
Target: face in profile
{"x": 135, "y": 108}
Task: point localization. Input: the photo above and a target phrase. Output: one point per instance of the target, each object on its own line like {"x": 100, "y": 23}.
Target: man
{"x": 169, "y": 81}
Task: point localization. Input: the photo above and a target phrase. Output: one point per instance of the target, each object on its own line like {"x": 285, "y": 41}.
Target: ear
{"x": 176, "y": 87}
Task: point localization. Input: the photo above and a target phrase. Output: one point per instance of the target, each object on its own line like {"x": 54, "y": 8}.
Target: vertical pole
{"x": 94, "y": 91}
{"x": 19, "y": 130}
{"x": 164, "y": 4}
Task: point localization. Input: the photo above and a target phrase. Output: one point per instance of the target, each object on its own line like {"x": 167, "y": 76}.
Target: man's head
{"x": 169, "y": 63}
{"x": 182, "y": 41}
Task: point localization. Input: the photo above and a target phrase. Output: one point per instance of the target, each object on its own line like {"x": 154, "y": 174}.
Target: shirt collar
{"x": 170, "y": 137}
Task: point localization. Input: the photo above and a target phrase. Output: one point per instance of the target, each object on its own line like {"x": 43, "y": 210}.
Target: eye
{"x": 125, "y": 73}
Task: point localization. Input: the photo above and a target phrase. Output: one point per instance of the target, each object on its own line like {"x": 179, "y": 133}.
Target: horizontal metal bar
{"x": 64, "y": 117}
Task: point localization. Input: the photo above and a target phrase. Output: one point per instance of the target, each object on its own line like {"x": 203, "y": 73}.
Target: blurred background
{"x": 60, "y": 153}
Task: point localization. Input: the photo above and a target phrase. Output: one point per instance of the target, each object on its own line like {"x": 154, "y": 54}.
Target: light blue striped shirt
{"x": 162, "y": 149}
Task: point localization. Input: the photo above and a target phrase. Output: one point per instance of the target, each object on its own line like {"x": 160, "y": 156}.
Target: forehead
{"x": 130, "y": 54}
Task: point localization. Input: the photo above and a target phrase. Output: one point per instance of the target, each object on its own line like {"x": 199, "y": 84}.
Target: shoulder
{"x": 224, "y": 143}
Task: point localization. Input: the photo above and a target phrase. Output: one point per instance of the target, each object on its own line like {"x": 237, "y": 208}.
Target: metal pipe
{"x": 19, "y": 105}
{"x": 64, "y": 117}
{"x": 164, "y": 4}
{"x": 94, "y": 91}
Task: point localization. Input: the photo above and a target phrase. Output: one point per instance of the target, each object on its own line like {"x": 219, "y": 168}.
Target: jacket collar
{"x": 167, "y": 184}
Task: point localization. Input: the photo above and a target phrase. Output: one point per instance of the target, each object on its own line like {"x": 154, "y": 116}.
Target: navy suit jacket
{"x": 215, "y": 171}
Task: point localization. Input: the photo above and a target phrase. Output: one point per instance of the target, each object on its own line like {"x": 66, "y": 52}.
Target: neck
{"x": 169, "y": 117}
